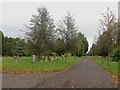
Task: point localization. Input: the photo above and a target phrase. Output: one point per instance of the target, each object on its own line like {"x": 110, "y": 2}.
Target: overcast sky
{"x": 87, "y": 15}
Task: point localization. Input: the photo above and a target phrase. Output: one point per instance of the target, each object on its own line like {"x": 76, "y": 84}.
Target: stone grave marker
{"x": 33, "y": 59}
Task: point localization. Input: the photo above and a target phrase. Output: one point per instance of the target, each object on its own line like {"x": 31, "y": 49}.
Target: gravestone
{"x": 51, "y": 59}
{"x": 46, "y": 59}
{"x": 16, "y": 58}
{"x": 33, "y": 59}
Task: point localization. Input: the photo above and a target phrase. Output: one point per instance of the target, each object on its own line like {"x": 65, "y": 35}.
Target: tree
{"x": 83, "y": 41}
{"x": 115, "y": 54}
{"x": 19, "y": 49}
{"x": 79, "y": 48}
{"x": 8, "y": 45}
{"x": 1, "y": 42}
{"x": 67, "y": 30}
{"x": 107, "y": 25}
{"x": 80, "y": 45}
{"x": 118, "y": 36}
{"x": 60, "y": 46}
{"x": 41, "y": 33}
{"x": 108, "y": 38}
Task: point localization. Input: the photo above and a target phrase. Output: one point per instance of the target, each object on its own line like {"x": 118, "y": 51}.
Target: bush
{"x": 115, "y": 54}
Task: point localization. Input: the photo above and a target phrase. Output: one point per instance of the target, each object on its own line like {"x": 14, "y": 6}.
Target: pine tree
{"x": 41, "y": 32}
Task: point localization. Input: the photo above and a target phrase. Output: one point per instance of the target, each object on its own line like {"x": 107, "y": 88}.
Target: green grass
{"x": 9, "y": 65}
{"x": 112, "y": 68}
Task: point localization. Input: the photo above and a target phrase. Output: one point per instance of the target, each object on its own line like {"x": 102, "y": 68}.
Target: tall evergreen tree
{"x": 41, "y": 32}
{"x": 67, "y": 30}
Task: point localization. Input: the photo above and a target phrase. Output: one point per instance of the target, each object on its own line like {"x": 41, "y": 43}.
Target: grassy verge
{"x": 112, "y": 68}
{"x": 26, "y": 66}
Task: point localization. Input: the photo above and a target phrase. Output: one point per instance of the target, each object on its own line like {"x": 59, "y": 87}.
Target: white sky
{"x": 87, "y": 14}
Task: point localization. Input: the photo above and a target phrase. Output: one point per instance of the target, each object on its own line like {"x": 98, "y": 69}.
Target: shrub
{"x": 115, "y": 54}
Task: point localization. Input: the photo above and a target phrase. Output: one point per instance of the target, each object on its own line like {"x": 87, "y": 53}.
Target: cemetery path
{"x": 84, "y": 74}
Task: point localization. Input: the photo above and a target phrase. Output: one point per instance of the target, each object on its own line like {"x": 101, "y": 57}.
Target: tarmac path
{"x": 84, "y": 74}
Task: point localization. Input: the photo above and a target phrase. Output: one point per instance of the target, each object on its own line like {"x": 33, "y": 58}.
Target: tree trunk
{"x": 57, "y": 57}
{"x": 102, "y": 61}
{"x": 108, "y": 61}
{"x": 66, "y": 59}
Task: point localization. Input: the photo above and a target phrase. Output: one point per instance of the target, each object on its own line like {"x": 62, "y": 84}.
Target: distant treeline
{"x": 20, "y": 47}
{"x": 13, "y": 46}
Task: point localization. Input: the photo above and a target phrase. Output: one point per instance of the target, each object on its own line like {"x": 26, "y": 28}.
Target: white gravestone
{"x": 41, "y": 61}
{"x": 33, "y": 58}
{"x": 51, "y": 59}
{"x": 46, "y": 59}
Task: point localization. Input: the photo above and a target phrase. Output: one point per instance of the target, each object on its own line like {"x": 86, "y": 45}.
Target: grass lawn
{"x": 9, "y": 65}
{"x": 112, "y": 68}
